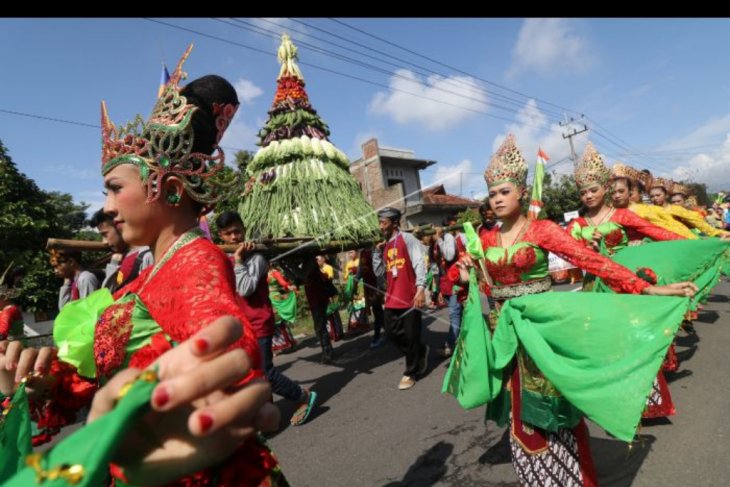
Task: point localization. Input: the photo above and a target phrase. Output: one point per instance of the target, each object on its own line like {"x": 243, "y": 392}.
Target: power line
{"x": 300, "y": 43}
{"x": 52, "y": 119}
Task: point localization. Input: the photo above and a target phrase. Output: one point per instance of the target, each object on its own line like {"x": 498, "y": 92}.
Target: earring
{"x": 173, "y": 199}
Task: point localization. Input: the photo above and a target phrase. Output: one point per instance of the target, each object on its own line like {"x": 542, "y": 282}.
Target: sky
{"x": 654, "y": 93}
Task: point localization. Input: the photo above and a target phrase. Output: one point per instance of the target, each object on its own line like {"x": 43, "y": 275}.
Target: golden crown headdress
{"x": 692, "y": 202}
{"x": 507, "y": 165}
{"x": 163, "y": 145}
{"x": 678, "y": 188}
{"x": 590, "y": 169}
{"x": 621, "y": 170}
{"x": 664, "y": 183}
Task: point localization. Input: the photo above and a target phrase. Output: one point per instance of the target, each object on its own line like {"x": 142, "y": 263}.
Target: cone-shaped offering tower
{"x": 298, "y": 183}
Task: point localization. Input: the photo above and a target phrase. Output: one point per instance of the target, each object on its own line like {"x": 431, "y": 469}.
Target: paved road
{"x": 367, "y": 433}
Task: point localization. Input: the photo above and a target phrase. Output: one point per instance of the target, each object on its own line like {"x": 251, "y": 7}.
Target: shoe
{"x": 445, "y": 351}
{"x": 406, "y": 382}
{"x": 327, "y": 357}
{"x": 423, "y": 363}
{"x": 301, "y": 415}
{"x": 376, "y": 342}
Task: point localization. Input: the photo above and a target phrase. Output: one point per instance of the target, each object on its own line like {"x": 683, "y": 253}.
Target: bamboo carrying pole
{"x": 269, "y": 247}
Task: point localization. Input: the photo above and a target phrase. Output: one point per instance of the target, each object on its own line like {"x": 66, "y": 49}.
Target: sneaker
{"x": 445, "y": 351}
{"x": 376, "y": 342}
{"x": 423, "y": 363}
{"x": 406, "y": 382}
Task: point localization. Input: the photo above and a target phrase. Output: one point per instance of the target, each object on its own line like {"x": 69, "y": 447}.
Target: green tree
{"x": 700, "y": 192}
{"x": 559, "y": 196}
{"x": 468, "y": 215}
{"x": 28, "y": 217}
{"x": 231, "y": 203}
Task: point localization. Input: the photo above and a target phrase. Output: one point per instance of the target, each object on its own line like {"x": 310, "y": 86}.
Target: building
{"x": 391, "y": 177}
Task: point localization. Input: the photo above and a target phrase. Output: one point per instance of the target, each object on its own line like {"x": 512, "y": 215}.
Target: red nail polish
{"x": 201, "y": 344}
{"x": 160, "y": 397}
{"x": 206, "y": 422}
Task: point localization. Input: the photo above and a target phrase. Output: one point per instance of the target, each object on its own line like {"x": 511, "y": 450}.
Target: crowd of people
{"x": 176, "y": 317}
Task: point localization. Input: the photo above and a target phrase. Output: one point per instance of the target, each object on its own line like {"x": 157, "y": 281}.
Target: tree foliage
{"x": 559, "y": 196}
{"x": 28, "y": 217}
{"x": 242, "y": 157}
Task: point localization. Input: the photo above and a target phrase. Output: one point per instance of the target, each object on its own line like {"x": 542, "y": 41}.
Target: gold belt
{"x": 522, "y": 288}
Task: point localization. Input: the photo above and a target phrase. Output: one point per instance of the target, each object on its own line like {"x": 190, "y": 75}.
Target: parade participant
{"x": 11, "y": 318}
{"x": 452, "y": 245}
{"x": 77, "y": 282}
{"x": 486, "y": 214}
{"x": 400, "y": 259}
{"x": 602, "y": 226}
{"x": 125, "y": 264}
{"x": 161, "y": 175}
{"x": 332, "y": 312}
{"x": 355, "y": 295}
{"x": 283, "y": 296}
{"x": 374, "y": 293}
{"x": 661, "y": 189}
{"x": 251, "y": 271}
{"x": 548, "y": 436}
{"x": 628, "y": 185}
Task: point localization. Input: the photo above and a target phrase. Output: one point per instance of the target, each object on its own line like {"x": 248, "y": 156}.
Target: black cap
{"x": 388, "y": 212}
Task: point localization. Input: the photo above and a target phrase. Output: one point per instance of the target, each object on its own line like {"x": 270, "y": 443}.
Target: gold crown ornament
{"x": 590, "y": 169}
{"x": 664, "y": 183}
{"x": 678, "y": 188}
{"x": 621, "y": 170}
{"x": 507, "y": 165}
{"x": 163, "y": 145}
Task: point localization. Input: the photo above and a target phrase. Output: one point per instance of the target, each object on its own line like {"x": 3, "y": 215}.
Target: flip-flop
{"x": 304, "y": 410}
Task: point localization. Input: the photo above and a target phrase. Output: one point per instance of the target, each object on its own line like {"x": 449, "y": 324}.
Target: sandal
{"x": 302, "y": 413}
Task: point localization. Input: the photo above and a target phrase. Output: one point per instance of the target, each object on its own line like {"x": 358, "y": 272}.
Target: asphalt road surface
{"x": 365, "y": 432}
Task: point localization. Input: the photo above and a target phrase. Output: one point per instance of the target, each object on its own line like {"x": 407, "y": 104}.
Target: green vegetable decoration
{"x": 299, "y": 184}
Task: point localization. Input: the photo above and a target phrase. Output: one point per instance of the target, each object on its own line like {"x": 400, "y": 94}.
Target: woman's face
{"x": 592, "y": 196}
{"x": 621, "y": 194}
{"x": 658, "y": 196}
{"x": 504, "y": 199}
{"x": 138, "y": 221}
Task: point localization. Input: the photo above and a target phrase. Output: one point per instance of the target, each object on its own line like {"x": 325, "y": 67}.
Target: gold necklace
{"x": 519, "y": 235}
{"x": 607, "y": 215}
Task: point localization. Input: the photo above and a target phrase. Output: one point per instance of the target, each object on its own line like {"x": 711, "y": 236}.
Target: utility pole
{"x": 570, "y": 136}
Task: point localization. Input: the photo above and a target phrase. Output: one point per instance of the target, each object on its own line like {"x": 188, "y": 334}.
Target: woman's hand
{"x": 199, "y": 415}
{"x": 17, "y": 363}
{"x": 686, "y": 288}
{"x": 464, "y": 264}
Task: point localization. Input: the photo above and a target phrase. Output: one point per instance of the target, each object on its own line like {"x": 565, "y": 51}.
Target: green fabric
{"x": 538, "y": 270}
{"x": 15, "y": 434}
{"x": 586, "y": 233}
{"x": 600, "y": 351}
{"x": 473, "y": 378}
{"x": 143, "y": 327}
{"x": 93, "y": 445}
{"x": 354, "y": 294}
{"x": 73, "y": 330}
{"x": 700, "y": 261}
{"x": 286, "y": 307}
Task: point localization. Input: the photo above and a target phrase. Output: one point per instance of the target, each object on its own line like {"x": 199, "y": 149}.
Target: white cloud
{"x": 355, "y": 151}
{"x": 246, "y": 91}
{"x": 712, "y": 169}
{"x": 438, "y": 103}
{"x": 532, "y": 131}
{"x": 239, "y": 136}
{"x": 547, "y": 46}
{"x": 71, "y": 172}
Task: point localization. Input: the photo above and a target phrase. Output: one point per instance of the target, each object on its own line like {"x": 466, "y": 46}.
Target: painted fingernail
{"x": 201, "y": 345}
{"x": 160, "y": 397}
{"x": 206, "y": 422}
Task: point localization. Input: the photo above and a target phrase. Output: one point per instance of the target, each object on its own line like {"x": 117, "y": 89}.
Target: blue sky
{"x": 655, "y": 91}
